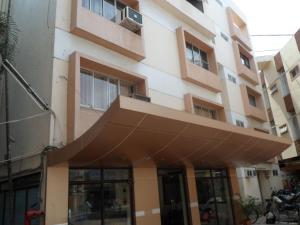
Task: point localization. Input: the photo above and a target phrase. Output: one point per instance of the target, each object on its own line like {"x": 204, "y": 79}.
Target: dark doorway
{"x": 173, "y": 200}
{"x": 214, "y": 197}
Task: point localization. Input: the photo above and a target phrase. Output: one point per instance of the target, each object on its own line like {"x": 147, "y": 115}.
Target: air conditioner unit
{"x": 131, "y": 19}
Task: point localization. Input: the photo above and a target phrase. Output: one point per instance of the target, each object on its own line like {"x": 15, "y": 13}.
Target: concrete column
{"x": 147, "y": 207}
{"x": 235, "y": 189}
{"x": 57, "y": 191}
{"x": 193, "y": 196}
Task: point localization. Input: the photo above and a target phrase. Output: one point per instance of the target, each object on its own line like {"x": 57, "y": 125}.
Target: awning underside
{"x": 135, "y": 133}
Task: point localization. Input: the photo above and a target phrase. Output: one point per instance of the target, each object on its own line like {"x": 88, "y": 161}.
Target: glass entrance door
{"x": 214, "y": 197}
{"x": 172, "y": 193}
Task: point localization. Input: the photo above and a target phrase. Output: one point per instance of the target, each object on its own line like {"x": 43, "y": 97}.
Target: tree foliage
{"x": 8, "y": 36}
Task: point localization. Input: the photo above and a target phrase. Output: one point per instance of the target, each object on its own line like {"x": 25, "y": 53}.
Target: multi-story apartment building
{"x": 280, "y": 76}
{"x": 156, "y": 103}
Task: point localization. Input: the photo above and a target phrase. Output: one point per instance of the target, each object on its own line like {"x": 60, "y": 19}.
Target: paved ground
{"x": 262, "y": 220}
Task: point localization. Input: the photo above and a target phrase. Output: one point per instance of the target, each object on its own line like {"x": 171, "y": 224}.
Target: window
{"x": 25, "y": 197}
{"x": 232, "y": 78}
{"x": 206, "y": 112}
{"x": 273, "y": 89}
{"x": 224, "y": 36}
{"x": 245, "y": 61}
{"x": 197, "y": 56}
{"x": 295, "y": 72}
{"x": 98, "y": 91}
{"x": 273, "y": 127}
{"x": 219, "y": 2}
{"x": 240, "y": 123}
{"x": 283, "y": 129}
{"x": 100, "y": 196}
{"x": 275, "y": 173}
{"x": 106, "y": 8}
{"x": 198, "y": 4}
{"x": 252, "y": 100}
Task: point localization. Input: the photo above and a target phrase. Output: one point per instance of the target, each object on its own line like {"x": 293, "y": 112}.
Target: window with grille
{"x": 197, "y": 56}
{"x": 245, "y": 61}
{"x": 252, "y": 100}
{"x": 205, "y": 111}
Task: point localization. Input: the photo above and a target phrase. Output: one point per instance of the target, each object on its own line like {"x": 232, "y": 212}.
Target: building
{"x": 280, "y": 75}
{"x": 156, "y": 103}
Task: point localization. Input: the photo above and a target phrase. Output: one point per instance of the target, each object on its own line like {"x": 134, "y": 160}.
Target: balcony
{"x": 294, "y": 127}
{"x": 256, "y": 112}
{"x": 107, "y": 33}
{"x": 204, "y": 77}
{"x": 238, "y": 29}
{"x": 248, "y": 73}
{"x": 82, "y": 112}
{"x": 190, "y": 15}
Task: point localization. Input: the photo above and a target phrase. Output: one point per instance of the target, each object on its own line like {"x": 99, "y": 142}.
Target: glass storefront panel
{"x": 101, "y": 197}
{"x": 117, "y": 204}
{"x": 173, "y": 200}
{"x": 20, "y": 201}
{"x": 223, "y": 202}
{"x": 84, "y": 204}
{"x": 206, "y": 201}
{"x": 214, "y": 197}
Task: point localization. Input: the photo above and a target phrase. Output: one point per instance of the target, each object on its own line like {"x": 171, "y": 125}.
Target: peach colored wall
{"x": 240, "y": 33}
{"x": 80, "y": 119}
{"x": 194, "y": 73}
{"x": 246, "y": 73}
{"x": 146, "y": 195}
{"x": 193, "y": 196}
{"x": 257, "y": 112}
{"x": 57, "y": 192}
{"x": 106, "y": 33}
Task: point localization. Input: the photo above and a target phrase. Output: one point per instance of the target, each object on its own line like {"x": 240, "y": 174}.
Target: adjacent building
{"x": 280, "y": 82}
{"x": 158, "y": 116}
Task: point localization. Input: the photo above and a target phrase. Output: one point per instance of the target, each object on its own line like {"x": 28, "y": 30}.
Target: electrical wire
{"x": 26, "y": 118}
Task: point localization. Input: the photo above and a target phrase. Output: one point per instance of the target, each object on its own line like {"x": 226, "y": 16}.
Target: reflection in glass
{"x": 206, "y": 201}
{"x": 214, "y": 197}
{"x": 109, "y": 9}
{"x": 113, "y": 90}
{"x": 85, "y": 175}
{"x": 84, "y": 204}
{"x": 100, "y": 93}
{"x": 189, "y": 52}
{"x": 116, "y": 174}
{"x": 117, "y": 203}
{"x": 100, "y": 197}
{"x": 20, "y": 207}
{"x": 96, "y": 6}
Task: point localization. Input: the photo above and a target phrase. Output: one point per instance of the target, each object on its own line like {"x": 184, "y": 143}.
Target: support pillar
{"x": 193, "y": 196}
{"x": 57, "y": 192}
{"x": 235, "y": 189}
{"x": 146, "y": 196}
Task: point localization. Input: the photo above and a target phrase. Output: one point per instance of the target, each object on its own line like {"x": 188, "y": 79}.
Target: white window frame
{"x": 107, "y": 80}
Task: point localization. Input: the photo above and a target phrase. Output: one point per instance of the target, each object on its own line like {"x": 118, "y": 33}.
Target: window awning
{"x": 135, "y": 133}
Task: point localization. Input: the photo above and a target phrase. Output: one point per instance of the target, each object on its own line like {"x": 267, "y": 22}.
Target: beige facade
{"x": 281, "y": 82}
{"x": 181, "y": 93}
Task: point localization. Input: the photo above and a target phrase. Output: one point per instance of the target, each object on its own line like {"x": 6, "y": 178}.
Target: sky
{"x": 270, "y": 17}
